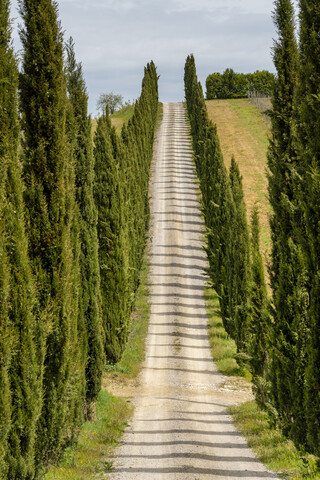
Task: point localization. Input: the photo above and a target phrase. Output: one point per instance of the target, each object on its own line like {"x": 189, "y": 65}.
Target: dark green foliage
{"x": 52, "y": 224}
{"x": 20, "y": 335}
{"x": 113, "y": 271}
{"x": 228, "y": 244}
{"x": 230, "y": 84}
{"x": 89, "y": 294}
{"x": 289, "y": 275}
{"x": 260, "y": 321}
{"x": 308, "y": 148}
{"x": 121, "y": 194}
{"x": 239, "y": 262}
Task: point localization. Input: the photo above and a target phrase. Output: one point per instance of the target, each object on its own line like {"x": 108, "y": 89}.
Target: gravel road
{"x": 180, "y": 428}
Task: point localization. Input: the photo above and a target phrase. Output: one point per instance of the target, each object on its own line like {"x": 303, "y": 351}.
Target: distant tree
{"x": 111, "y": 100}
{"x": 230, "y": 84}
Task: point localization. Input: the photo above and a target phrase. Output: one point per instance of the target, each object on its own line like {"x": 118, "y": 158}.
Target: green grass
{"x": 118, "y": 118}
{"x": 89, "y": 459}
{"x": 122, "y": 116}
{"x": 223, "y": 347}
{"x": 130, "y": 364}
{"x": 271, "y": 447}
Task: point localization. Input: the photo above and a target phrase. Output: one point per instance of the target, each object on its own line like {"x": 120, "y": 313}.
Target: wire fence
{"x": 262, "y": 101}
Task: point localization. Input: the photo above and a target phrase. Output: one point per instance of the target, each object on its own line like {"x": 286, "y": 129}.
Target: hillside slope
{"x": 243, "y": 132}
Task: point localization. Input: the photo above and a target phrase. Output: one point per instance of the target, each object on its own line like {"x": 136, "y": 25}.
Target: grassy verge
{"x": 223, "y": 347}
{"x": 89, "y": 459}
{"x": 271, "y": 447}
{"x": 130, "y": 364}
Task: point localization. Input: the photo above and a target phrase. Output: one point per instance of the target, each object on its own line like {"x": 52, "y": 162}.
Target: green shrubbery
{"x": 230, "y": 84}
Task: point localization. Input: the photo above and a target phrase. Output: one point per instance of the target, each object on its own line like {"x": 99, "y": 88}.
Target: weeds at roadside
{"x": 271, "y": 447}
{"x": 87, "y": 460}
{"x": 223, "y": 347}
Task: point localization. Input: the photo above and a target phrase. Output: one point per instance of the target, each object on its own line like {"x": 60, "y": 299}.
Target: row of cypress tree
{"x": 294, "y": 191}
{"x": 73, "y": 222}
{"x": 236, "y": 268}
{"x": 280, "y": 339}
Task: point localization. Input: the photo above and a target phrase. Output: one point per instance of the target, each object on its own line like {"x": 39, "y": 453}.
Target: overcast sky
{"x": 114, "y": 39}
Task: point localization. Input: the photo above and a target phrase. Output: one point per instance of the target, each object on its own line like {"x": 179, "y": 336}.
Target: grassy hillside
{"x": 243, "y": 132}
{"x": 118, "y": 118}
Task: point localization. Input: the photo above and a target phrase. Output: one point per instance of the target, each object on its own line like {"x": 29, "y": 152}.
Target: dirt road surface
{"x": 180, "y": 428}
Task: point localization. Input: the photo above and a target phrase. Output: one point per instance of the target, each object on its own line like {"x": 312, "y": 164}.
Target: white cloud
{"x": 114, "y": 39}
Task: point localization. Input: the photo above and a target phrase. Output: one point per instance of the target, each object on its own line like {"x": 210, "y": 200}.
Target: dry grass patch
{"x": 243, "y": 132}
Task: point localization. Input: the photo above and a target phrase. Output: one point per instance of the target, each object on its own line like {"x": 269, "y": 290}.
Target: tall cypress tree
{"x": 114, "y": 287}
{"x": 20, "y": 333}
{"x": 260, "y": 322}
{"x": 50, "y": 199}
{"x": 6, "y": 335}
{"x": 240, "y": 266}
{"x": 288, "y": 269}
{"x": 90, "y": 296}
{"x": 309, "y": 169}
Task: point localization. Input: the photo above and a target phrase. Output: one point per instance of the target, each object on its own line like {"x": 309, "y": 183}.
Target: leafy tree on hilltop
{"x": 111, "y": 100}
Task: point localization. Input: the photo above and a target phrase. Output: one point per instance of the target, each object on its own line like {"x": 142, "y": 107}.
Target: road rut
{"x": 180, "y": 429}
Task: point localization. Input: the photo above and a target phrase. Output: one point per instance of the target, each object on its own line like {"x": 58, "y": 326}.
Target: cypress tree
{"x": 50, "y": 199}
{"x": 309, "y": 170}
{"x": 90, "y": 296}
{"x": 20, "y": 344}
{"x": 6, "y": 335}
{"x": 219, "y": 211}
{"x": 259, "y": 326}
{"x": 107, "y": 194}
{"x": 239, "y": 263}
{"x": 288, "y": 268}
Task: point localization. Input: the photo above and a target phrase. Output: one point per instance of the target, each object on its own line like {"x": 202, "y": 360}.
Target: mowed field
{"x": 243, "y": 132}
